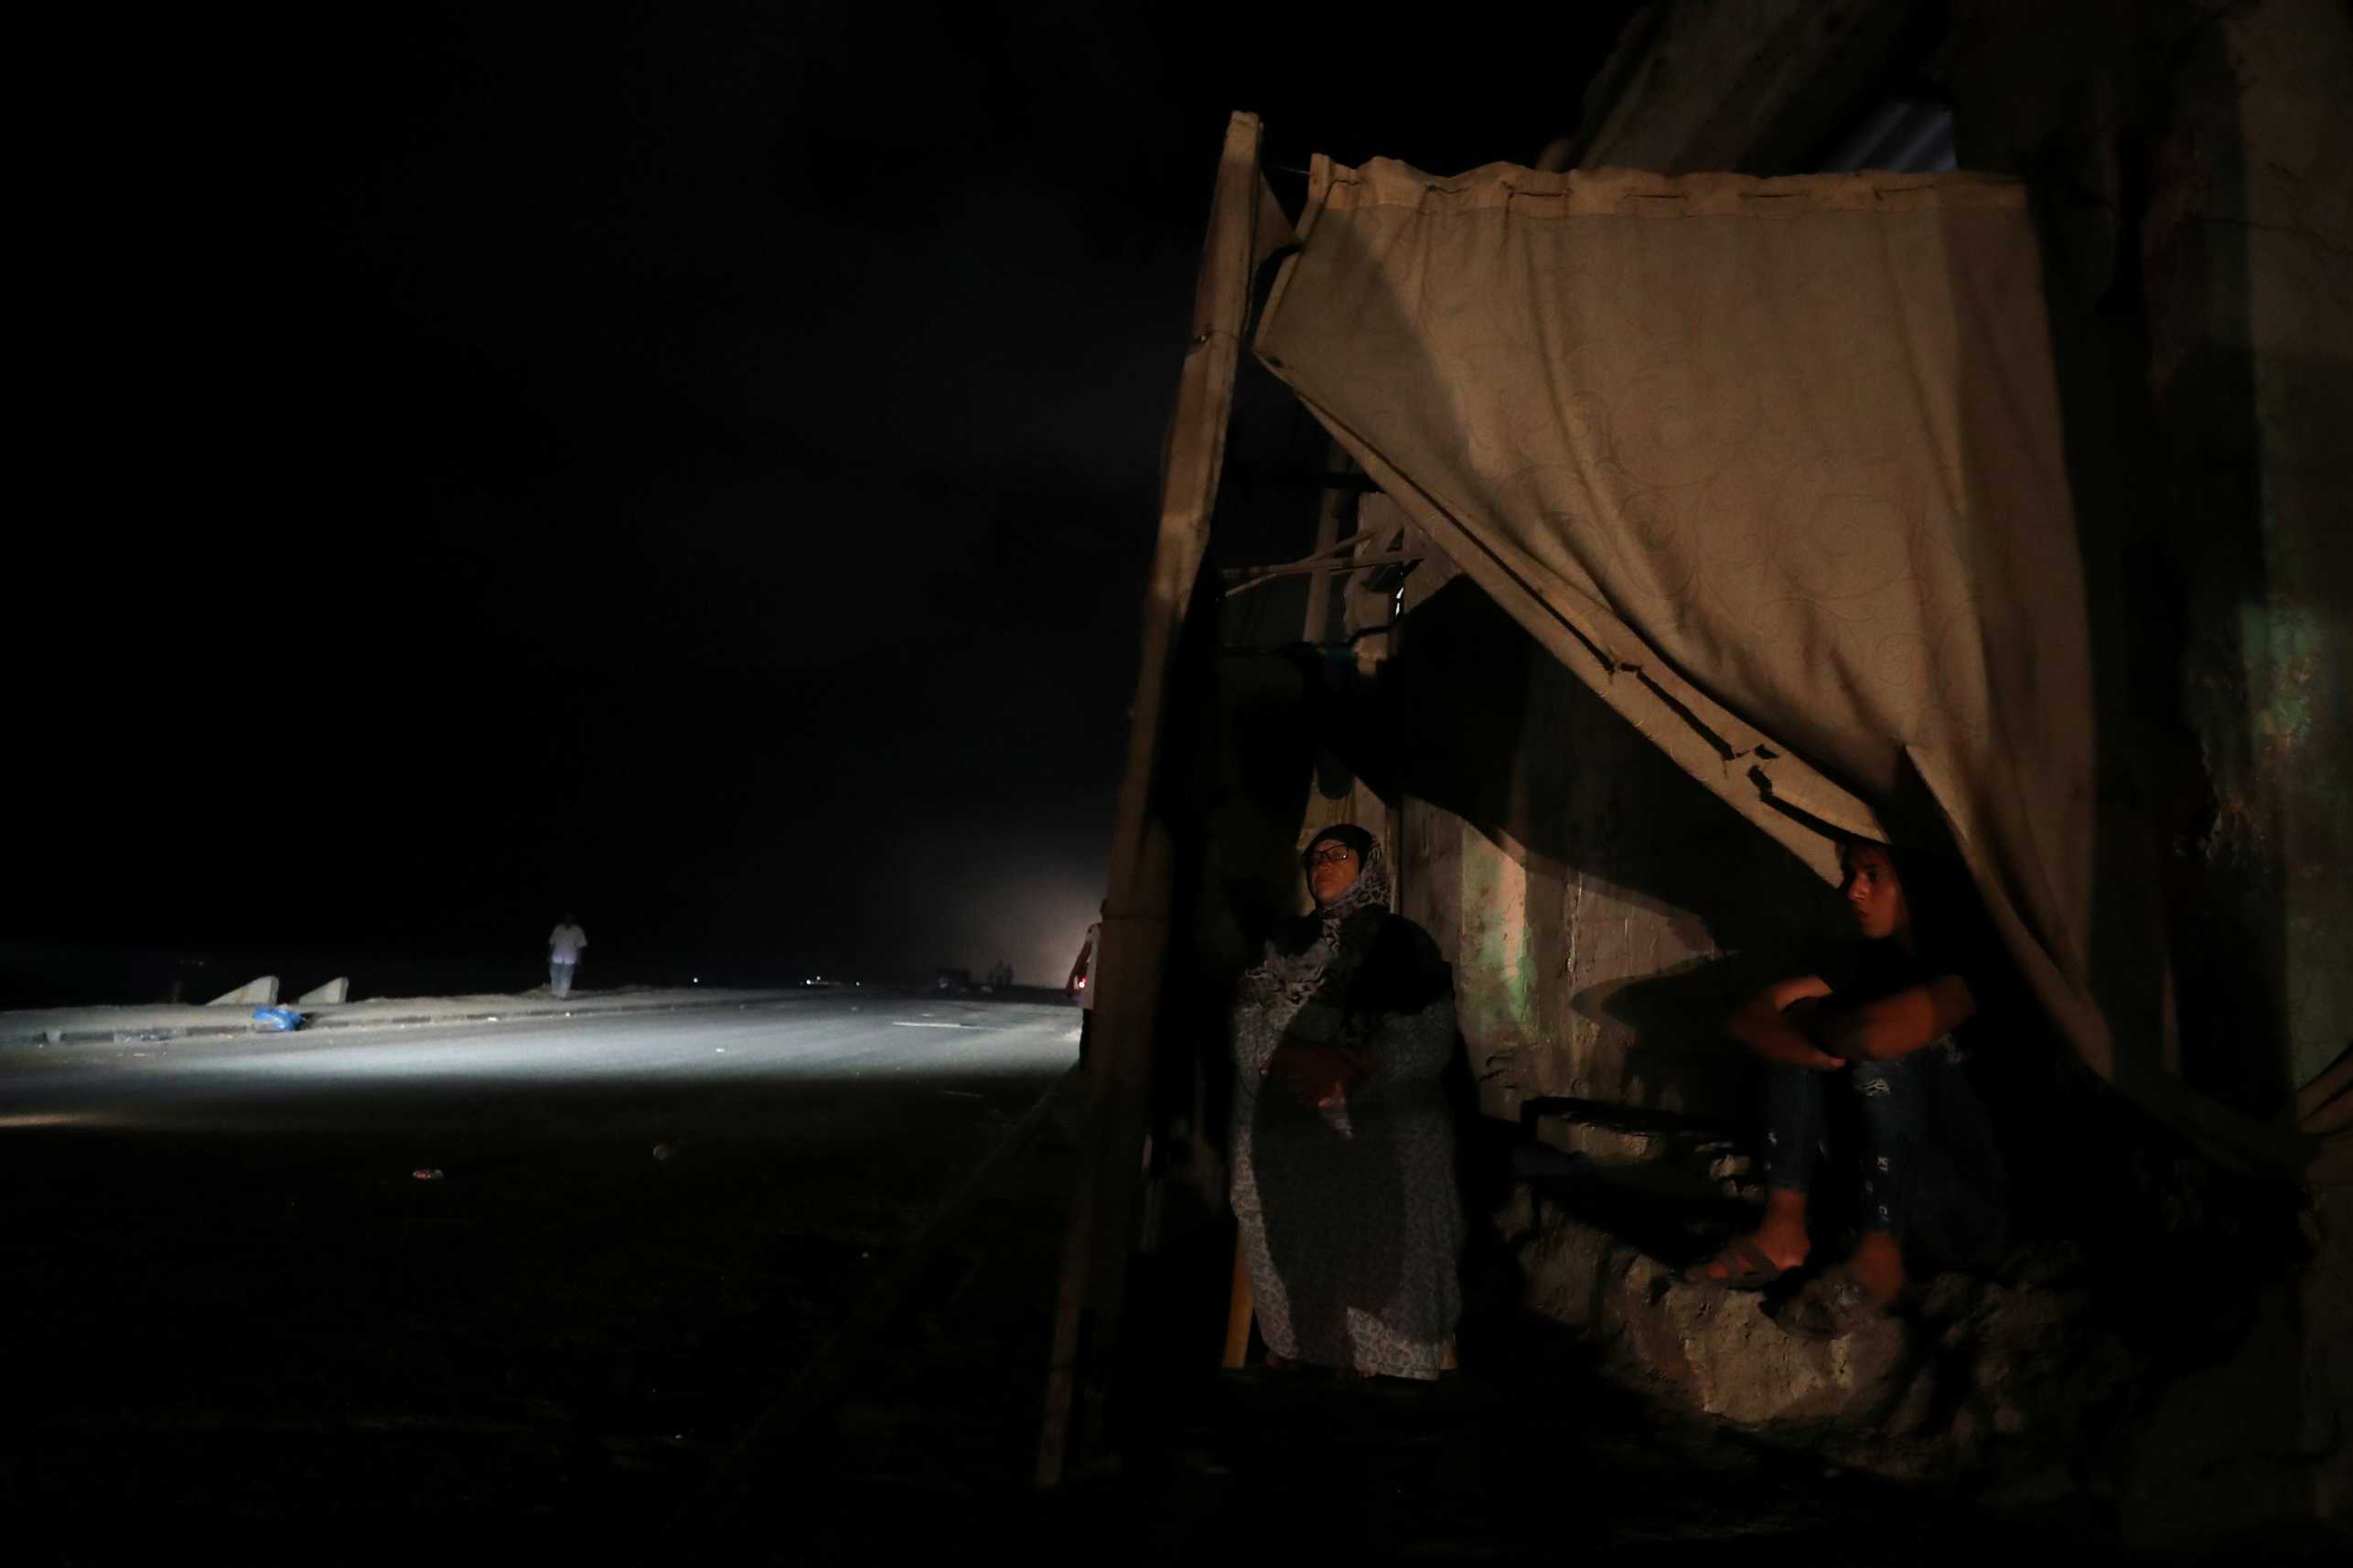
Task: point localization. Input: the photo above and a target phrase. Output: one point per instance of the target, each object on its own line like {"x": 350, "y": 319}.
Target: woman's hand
{"x": 1797, "y": 1041}
{"x": 1798, "y": 1051}
{"x": 1317, "y": 1073}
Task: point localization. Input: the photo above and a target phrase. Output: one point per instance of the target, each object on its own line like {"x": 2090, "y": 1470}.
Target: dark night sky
{"x": 692, "y": 461}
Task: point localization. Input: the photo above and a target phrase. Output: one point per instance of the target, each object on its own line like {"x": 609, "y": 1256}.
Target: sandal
{"x": 1746, "y": 1268}
{"x": 1833, "y": 1304}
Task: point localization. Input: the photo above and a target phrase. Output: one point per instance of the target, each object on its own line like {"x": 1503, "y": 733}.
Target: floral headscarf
{"x": 1282, "y": 982}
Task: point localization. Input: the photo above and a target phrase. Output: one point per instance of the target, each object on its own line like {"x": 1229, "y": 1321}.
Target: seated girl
{"x": 1882, "y": 1021}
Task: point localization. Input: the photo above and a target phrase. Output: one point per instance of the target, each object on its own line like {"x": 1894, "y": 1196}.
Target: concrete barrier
{"x": 334, "y": 994}
{"x": 262, "y": 992}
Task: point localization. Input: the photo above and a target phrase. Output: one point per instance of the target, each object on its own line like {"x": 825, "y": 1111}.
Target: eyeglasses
{"x": 1330, "y": 854}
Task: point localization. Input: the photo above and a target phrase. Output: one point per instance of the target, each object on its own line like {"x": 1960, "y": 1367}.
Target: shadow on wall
{"x": 1240, "y": 774}
{"x": 1646, "y": 909}
{"x": 1254, "y": 768}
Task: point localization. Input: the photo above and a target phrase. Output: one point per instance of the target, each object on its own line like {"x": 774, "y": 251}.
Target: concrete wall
{"x": 1752, "y": 86}
{"x": 2193, "y": 164}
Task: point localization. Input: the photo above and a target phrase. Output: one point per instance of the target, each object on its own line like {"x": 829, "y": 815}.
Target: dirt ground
{"x": 258, "y": 1345}
{"x": 567, "y": 1349}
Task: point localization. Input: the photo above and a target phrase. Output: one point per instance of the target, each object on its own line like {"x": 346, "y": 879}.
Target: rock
{"x": 1980, "y": 1377}
{"x": 1713, "y": 1351}
{"x": 1743, "y": 1367}
{"x": 1731, "y": 1167}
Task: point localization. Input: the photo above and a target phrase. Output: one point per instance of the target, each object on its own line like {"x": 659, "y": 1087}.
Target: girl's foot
{"x": 1750, "y": 1262}
{"x": 1848, "y": 1296}
{"x": 1879, "y": 1263}
{"x": 1765, "y": 1254}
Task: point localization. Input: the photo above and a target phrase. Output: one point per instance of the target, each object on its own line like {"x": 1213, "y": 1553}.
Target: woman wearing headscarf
{"x": 1343, "y": 1168}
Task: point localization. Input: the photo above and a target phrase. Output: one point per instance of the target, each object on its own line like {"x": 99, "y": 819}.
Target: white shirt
{"x": 1094, "y": 953}
{"x": 564, "y": 942}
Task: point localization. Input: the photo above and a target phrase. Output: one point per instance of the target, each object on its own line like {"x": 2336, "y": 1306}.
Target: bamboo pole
{"x": 1243, "y": 579}
{"x": 1241, "y": 1305}
{"x": 1245, "y": 228}
{"x": 1328, "y": 508}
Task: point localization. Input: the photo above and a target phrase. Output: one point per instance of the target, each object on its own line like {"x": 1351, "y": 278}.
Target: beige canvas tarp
{"x": 1775, "y": 465}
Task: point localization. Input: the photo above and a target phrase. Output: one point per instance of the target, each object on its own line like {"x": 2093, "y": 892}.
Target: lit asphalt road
{"x": 715, "y": 1071}
{"x": 631, "y": 1232}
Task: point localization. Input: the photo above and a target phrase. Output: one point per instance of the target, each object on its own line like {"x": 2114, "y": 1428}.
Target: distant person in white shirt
{"x": 1082, "y": 984}
{"x": 563, "y": 945}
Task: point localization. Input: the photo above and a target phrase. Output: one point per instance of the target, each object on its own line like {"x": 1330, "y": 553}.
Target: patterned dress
{"x": 1350, "y": 1220}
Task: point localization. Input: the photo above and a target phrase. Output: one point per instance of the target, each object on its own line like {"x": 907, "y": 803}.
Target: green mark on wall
{"x": 1495, "y": 979}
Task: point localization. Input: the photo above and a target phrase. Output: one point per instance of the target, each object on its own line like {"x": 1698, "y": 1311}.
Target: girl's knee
{"x": 1871, "y": 1081}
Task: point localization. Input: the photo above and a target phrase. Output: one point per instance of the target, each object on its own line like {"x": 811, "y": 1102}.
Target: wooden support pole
{"x": 1240, "y": 1308}
{"x": 1330, "y": 514}
{"x": 1246, "y": 227}
{"x": 1243, "y": 578}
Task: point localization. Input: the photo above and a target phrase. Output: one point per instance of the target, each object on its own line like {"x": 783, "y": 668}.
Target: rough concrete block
{"x": 262, "y": 992}
{"x": 333, "y": 993}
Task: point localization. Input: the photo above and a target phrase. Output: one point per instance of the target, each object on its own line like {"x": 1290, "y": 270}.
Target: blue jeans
{"x": 1928, "y": 1167}
{"x": 559, "y": 975}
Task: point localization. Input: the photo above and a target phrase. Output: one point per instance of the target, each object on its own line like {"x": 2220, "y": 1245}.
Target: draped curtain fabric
{"x": 1774, "y": 465}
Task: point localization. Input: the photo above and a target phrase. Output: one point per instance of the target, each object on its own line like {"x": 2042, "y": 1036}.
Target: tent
{"x": 1774, "y": 466}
